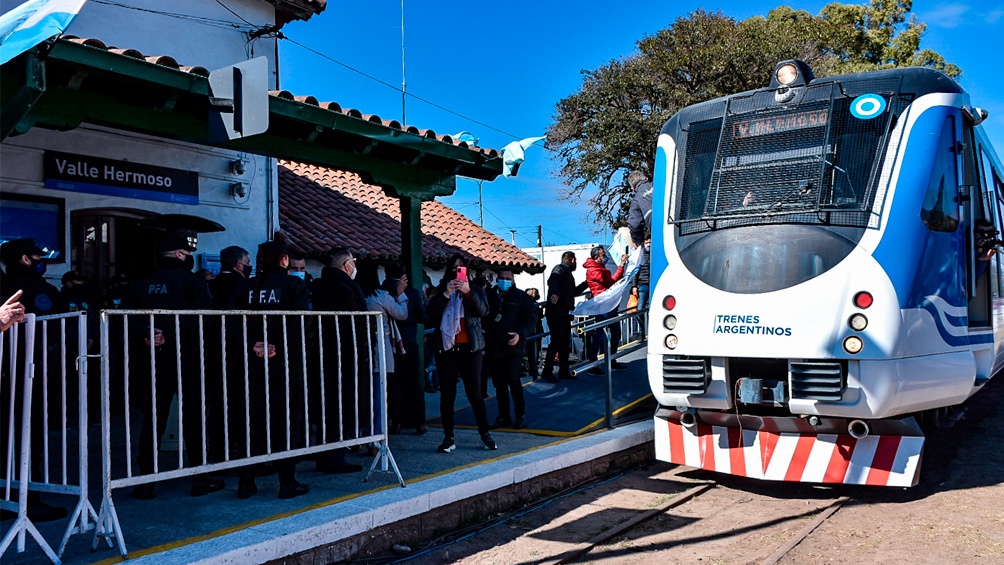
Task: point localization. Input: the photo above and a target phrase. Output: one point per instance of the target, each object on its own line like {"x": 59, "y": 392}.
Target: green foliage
{"x": 610, "y": 126}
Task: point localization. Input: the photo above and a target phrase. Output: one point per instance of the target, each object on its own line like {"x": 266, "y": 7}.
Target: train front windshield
{"x": 811, "y": 162}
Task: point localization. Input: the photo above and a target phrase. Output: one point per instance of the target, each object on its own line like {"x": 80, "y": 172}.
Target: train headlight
{"x": 786, "y": 74}
{"x": 853, "y": 344}
{"x": 669, "y": 322}
{"x": 671, "y": 341}
{"x": 858, "y": 322}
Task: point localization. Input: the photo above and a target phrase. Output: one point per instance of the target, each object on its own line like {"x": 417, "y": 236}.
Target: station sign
{"x": 94, "y": 175}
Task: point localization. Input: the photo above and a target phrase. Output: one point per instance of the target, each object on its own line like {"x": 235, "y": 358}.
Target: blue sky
{"x": 498, "y": 69}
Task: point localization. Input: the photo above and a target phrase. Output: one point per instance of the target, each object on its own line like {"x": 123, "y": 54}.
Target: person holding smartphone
{"x": 455, "y": 313}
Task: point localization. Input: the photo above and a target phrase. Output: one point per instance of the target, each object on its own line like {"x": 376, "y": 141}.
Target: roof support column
{"x": 411, "y": 257}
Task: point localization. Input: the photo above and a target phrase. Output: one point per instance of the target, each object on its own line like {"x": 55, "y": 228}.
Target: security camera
{"x": 237, "y": 167}
{"x": 239, "y": 189}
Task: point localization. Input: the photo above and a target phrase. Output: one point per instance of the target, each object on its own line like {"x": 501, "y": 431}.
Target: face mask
{"x": 352, "y": 275}
{"x": 189, "y": 262}
{"x": 504, "y": 285}
{"x": 300, "y": 275}
{"x": 648, "y": 247}
{"x": 38, "y": 266}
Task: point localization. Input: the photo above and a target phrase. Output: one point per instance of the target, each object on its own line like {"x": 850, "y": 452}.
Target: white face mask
{"x": 352, "y": 275}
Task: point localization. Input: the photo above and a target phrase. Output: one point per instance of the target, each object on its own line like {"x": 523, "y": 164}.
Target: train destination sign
{"x": 780, "y": 124}
{"x": 94, "y": 175}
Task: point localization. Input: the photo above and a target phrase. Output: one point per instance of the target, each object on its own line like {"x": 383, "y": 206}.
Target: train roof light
{"x": 791, "y": 73}
{"x": 669, "y": 302}
{"x": 863, "y": 299}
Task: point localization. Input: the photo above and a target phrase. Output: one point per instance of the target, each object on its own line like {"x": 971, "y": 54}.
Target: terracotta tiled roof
{"x": 321, "y": 208}
{"x": 297, "y": 9}
{"x": 167, "y": 61}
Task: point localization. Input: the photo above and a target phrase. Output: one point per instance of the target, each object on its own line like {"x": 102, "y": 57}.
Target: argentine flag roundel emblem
{"x": 867, "y": 106}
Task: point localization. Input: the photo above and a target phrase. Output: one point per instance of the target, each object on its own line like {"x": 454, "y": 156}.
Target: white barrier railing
{"x": 55, "y": 361}
{"x": 9, "y": 357}
{"x": 326, "y": 363}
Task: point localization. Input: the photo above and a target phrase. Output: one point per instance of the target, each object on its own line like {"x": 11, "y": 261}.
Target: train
{"x": 827, "y": 284}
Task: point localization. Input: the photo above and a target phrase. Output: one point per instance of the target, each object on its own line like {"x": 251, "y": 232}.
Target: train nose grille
{"x": 818, "y": 380}
{"x": 686, "y": 375}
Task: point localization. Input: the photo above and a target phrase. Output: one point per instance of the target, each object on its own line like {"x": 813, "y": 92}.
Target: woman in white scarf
{"x": 391, "y": 308}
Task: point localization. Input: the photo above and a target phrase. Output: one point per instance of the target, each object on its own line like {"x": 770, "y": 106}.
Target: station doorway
{"x": 109, "y": 241}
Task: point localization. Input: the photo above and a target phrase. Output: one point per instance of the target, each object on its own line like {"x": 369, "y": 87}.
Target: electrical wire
{"x": 239, "y": 17}
{"x": 501, "y": 221}
{"x": 559, "y": 234}
{"x": 392, "y": 87}
{"x": 249, "y": 27}
{"x": 202, "y": 20}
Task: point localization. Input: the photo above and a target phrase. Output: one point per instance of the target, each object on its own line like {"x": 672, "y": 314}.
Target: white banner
{"x": 615, "y": 297}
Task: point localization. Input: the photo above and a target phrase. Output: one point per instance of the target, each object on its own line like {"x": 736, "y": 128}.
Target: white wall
{"x": 551, "y": 258}
{"x": 248, "y": 221}
{"x": 158, "y": 31}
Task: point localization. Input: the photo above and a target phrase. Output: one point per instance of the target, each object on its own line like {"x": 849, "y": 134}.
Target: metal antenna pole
{"x": 513, "y": 236}
{"x": 404, "y": 84}
{"x": 481, "y": 206}
{"x": 543, "y": 274}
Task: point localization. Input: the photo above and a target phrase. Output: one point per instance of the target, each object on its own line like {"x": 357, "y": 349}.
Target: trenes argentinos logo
{"x": 747, "y": 324}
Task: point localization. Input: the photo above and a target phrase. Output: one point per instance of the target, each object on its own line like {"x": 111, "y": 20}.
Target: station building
{"x": 110, "y": 136}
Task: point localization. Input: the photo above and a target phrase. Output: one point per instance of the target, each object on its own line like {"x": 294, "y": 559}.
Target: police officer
{"x": 24, "y": 270}
{"x": 235, "y": 267}
{"x": 512, "y": 317}
{"x": 279, "y": 345}
{"x": 172, "y": 286}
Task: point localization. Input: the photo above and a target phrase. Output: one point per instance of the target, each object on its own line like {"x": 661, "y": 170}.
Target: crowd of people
{"x": 473, "y": 325}
{"x": 478, "y": 332}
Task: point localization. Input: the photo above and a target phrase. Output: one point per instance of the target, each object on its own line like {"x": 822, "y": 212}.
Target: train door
{"x": 982, "y": 228}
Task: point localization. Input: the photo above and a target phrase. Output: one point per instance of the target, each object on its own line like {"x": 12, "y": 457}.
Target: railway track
{"x": 659, "y": 513}
{"x": 576, "y": 553}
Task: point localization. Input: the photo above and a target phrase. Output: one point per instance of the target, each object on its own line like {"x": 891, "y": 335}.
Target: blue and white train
{"x": 827, "y": 281}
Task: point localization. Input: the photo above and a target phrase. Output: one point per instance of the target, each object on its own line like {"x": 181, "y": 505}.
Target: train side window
{"x": 993, "y": 187}
{"x": 940, "y": 211}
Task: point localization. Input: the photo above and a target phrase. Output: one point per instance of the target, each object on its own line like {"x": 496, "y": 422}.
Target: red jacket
{"x": 599, "y": 277}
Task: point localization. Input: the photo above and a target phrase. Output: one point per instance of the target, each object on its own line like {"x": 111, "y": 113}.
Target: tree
{"x": 610, "y": 126}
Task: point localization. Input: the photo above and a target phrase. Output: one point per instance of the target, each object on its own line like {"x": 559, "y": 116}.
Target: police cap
{"x": 11, "y": 251}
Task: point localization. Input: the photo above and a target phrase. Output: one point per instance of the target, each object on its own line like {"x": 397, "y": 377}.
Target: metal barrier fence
{"x": 53, "y": 447}
{"x": 633, "y": 324}
{"x": 265, "y": 378}
{"x": 626, "y": 322}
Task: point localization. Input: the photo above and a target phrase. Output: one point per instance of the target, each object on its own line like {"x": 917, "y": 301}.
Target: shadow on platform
{"x": 574, "y": 407}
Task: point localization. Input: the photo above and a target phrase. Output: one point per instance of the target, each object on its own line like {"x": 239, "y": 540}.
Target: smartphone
{"x": 461, "y": 273}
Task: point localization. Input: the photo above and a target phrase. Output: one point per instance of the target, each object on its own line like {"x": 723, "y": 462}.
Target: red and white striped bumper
{"x": 800, "y": 455}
